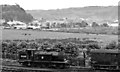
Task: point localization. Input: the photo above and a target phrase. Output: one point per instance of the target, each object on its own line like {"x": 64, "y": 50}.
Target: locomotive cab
{"x": 26, "y": 56}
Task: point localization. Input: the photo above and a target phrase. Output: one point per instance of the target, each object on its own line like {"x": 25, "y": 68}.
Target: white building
{"x": 34, "y": 25}
{"x": 15, "y": 23}
{"x": 114, "y": 24}
{"x": 20, "y": 26}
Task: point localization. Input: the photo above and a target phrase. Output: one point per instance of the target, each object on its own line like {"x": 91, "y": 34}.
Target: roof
{"x": 105, "y": 51}
{"x": 15, "y": 22}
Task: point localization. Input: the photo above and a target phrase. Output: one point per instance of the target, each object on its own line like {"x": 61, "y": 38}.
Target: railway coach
{"x": 105, "y": 59}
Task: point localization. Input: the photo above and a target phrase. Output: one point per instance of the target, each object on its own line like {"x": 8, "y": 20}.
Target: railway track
{"x": 33, "y": 69}
{"x": 13, "y": 68}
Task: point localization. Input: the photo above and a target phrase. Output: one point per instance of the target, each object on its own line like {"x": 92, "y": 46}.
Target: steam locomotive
{"x": 48, "y": 59}
{"x": 32, "y": 57}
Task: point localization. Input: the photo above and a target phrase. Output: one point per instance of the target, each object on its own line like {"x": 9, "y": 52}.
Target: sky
{"x": 58, "y": 4}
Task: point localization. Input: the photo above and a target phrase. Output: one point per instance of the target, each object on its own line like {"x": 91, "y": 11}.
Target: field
{"x": 30, "y": 35}
{"x": 92, "y": 30}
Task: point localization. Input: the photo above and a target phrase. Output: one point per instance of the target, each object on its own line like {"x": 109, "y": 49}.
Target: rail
{"x": 33, "y": 69}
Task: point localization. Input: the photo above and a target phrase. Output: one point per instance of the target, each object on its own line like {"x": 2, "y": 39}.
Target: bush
{"x": 112, "y": 45}
{"x": 69, "y": 46}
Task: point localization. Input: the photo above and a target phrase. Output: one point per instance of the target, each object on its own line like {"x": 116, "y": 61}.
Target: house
{"x": 12, "y": 23}
{"x": 17, "y": 24}
{"x": 33, "y": 26}
{"x": 56, "y": 23}
{"x": 20, "y": 26}
{"x": 114, "y": 24}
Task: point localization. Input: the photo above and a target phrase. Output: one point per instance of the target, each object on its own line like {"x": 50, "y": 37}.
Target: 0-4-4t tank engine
{"x": 44, "y": 59}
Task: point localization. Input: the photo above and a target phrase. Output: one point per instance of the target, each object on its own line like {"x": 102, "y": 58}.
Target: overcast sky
{"x": 58, "y": 4}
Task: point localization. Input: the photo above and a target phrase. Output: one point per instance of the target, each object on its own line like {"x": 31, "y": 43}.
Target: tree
{"x": 105, "y": 25}
{"x": 118, "y": 46}
{"x": 22, "y": 44}
{"x": 72, "y": 49}
{"x": 59, "y": 46}
{"x": 33, "y": 45}
{"x": 63, "y": 25}
{"x": 45, "y": 45}
{"x": 78, "y": 23}
{"x": 93, "y": 46}
{"x": 4, "y": 49}
{"x": 48, "y": 24}
{"x": 94, "y": 24}
{"x": 83, "y": 24}
{"x": 112, "y": 45}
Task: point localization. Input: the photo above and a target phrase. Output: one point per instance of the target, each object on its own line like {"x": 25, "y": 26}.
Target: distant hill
{"x": 15, "y": 12}
{"x": 91, "y": 13}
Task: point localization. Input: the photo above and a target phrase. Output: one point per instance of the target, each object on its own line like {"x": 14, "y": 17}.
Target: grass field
{"x": 29, "y": 34}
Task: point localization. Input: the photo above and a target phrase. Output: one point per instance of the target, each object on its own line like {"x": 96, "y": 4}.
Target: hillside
{"x": 91, "y": 13}
{"x": 15, "y": 12}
